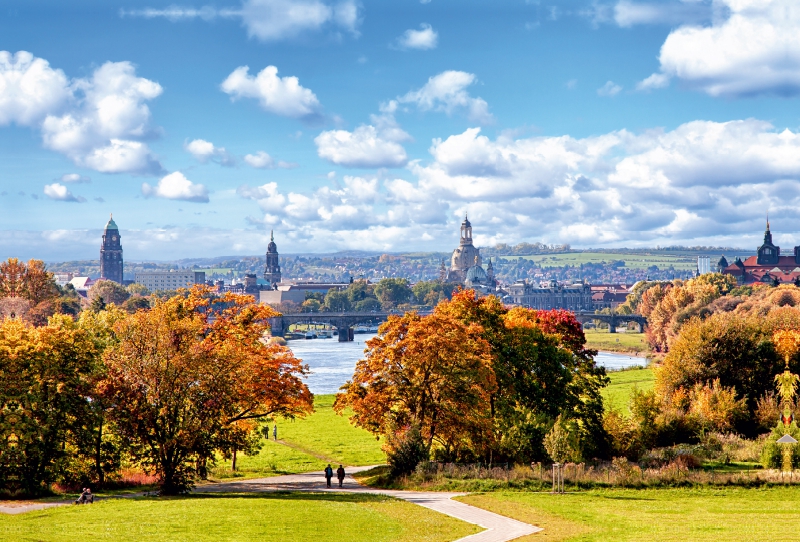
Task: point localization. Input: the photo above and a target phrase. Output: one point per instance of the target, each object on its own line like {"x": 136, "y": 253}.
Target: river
{"x": 332, "y": 363}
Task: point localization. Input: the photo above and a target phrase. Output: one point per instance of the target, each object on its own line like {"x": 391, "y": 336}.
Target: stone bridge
{"x": 613, "y": 320}
{"x": 342, "y": 321}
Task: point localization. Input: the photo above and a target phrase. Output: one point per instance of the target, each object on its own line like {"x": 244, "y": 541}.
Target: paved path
{"x": 20, "y": 507}
{"x": 498, "y": 528}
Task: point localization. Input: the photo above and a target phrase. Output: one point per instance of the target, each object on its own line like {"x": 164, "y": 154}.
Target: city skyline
{"x": 359, "y": 125}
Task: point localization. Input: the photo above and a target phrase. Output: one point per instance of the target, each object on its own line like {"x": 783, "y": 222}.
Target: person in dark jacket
{"x": 328, "y": 474}
{"x": 340, "y": 474}
{"x": 86, "y": 497}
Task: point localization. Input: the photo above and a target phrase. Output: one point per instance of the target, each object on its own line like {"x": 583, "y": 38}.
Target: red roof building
{"x": 767, "y": 267}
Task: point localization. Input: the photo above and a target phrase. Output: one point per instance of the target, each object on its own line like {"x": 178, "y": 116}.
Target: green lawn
{"x": 653, "y": 515}
{"x": 284, "y": 517}
{"x": 308, "y": 444}
{"x": 616, "y": 342}
{"x": 635, "y": 261}
{"x": 617, "y": 394}
{"x": 329, "y": 435}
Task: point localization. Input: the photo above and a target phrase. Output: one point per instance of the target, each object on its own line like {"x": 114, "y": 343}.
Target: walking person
{"x": 275, "y": 431}
{"x": 328, "y": 474}
{"x": 340, "y": 474}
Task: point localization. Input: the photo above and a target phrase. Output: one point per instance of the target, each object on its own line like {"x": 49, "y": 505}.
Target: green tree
{"x": 110, "y": 291}
{"x": 137, "y": 289}
{"x": 393, "y": 292}
{"x": 336, "y": 301}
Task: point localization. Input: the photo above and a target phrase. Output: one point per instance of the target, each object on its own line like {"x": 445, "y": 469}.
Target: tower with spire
{"x": 272, "y": 271}
{"x": 111, "y": 265}
{"x": 768, "y": 253}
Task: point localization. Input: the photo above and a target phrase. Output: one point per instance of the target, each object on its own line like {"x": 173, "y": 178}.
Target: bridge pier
{"x": 278, "y": 327}
{"x": 612, "y": 327}
{"x": 345, "y": 334}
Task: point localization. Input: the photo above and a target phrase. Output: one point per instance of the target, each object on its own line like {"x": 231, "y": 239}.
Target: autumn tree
{"x": 392, "y": 292}
{"x": 28, "y": 291}
{"x": 45, "y": 380}
{"x": 431, "y": 373}
{"x": 193, "y": 376}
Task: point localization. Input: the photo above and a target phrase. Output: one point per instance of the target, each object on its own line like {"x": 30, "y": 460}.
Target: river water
{"x": 332, "y": 363}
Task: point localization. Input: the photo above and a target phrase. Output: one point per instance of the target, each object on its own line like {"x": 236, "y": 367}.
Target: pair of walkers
{"x": 329, "y": 474}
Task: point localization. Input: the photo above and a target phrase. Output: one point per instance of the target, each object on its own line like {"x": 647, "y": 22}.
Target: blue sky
{"x": 377, "y": 125}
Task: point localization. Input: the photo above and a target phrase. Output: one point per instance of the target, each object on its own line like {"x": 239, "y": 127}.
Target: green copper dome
{"x": 111, "y": 224}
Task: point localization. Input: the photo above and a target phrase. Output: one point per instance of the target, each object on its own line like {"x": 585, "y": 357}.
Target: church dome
{"x": 476, "y": 275}
{"x": 111, "y": 224}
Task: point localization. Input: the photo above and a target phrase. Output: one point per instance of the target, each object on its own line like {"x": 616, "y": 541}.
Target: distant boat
{"x": 311, "y": 335}
{"x": 361, "y": 329}
{"x": 373, "y": 329}
{"x": 325, "y": 334}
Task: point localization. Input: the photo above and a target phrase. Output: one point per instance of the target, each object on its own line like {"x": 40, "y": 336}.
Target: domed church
{"x": 465, "y": 264}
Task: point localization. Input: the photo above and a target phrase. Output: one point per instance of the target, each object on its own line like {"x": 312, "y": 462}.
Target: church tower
{"x": 111, "y": 253}
{"x": 768, "y": 253}
{"x": 272, "y": 271}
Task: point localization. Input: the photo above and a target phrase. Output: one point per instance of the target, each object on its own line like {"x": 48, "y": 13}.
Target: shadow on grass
{"x": 279, "y": 495}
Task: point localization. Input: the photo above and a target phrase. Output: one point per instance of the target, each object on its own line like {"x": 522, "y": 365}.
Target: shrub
{"x": 405, "y": 450}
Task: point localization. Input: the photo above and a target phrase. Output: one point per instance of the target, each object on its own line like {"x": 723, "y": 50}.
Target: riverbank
{"x": 624, "y": 343}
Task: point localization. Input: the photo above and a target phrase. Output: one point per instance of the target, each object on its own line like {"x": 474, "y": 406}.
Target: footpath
{"x": 498, "y": 528}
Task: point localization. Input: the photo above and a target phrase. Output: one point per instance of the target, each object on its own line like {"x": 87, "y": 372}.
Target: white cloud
{"x": 754, "y": 50}
{"x": 362, "y": 148}
{"x": 30, "y": 89}
{"x": 74, "y": 178}
{"x": 176, "y": 186}
{"x": 260, "y": 160}
{"x": 204, "y": 151}
{"x": 446, "y": 92}
{"x": 268, "y": 20}
{"x": 657, "y": 80}
{"x": 424, "y": 38}
{"x": 279, "y": 95}
{"x": 609, "y": 89}
{"x": 98, "y": 122}
{"x": 59, "y": 192}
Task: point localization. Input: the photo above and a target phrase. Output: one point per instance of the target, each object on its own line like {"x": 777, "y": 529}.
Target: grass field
{"x": 309, "y": 444}
{"x": 618, "y": 393}
{"x": 633, "y": 261}
{"x": 653, "y": 515}
{"x": 616, "y": 342}
{"x": 285, "y": 517}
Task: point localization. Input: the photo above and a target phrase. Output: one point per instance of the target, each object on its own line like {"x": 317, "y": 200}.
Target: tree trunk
{"x": 98, "y": 454}
{"x": 233, "y": 463}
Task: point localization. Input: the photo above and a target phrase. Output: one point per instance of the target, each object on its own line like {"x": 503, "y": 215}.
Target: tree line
{"x": 168, "y": 389}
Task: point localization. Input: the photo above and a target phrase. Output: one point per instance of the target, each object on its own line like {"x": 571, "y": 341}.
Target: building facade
{"x": 465, "y": 256}
{"x": 111, "y": 253}
{"x": 768, "y": 266}
{"x": 272, "y": 270}
{"x": 575, "y": 297}
{"x": 169, "y": 280}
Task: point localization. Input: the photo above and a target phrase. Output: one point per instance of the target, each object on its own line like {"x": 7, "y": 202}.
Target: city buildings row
{"x": 466, "y": 268}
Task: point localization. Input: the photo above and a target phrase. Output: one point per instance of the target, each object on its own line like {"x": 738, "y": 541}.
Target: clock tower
{"x": 111, "y": 253}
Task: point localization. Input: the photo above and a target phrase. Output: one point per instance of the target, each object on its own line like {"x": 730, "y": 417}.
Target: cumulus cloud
{"x": 609, "y": 89}
{"x": 176, "y": 186}
{"x": 204, "y": 151}
{"x": 268, "y": 20}
{"x": 262, "y": 160}
{"x": 59, "y": 192}
{"x": 424, "y": 38}
{"x": 362, "y": 148}
{"x": 282, "y": 96}
{"x": 447, "y": 92}
{"x": 753, "y": 50}
{"x": 700, "y": 183}
{"x": 98, "y": 122}
{"x": 74, "y": 178}
{"x": 657, "y": 80}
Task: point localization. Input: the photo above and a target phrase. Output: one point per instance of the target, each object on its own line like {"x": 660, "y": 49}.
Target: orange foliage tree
{"x": 27, "y": 291}
{"x": 193, "y": 376}
{"x": 430, "y": 372}
{"x": 534, "y": 368}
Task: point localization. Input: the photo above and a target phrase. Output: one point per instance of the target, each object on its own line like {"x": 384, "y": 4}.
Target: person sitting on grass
{"x": 340, "y": 474}
{"x": 86, "y": 497}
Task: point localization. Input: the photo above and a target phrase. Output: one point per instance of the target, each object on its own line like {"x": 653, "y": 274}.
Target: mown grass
{"x": 296, "y": 517}
{"x": 707, "y": 514}
{"x": 617, "y": 395}
{"x": 616, "y": 342}
{"x": 308, "y": 444}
